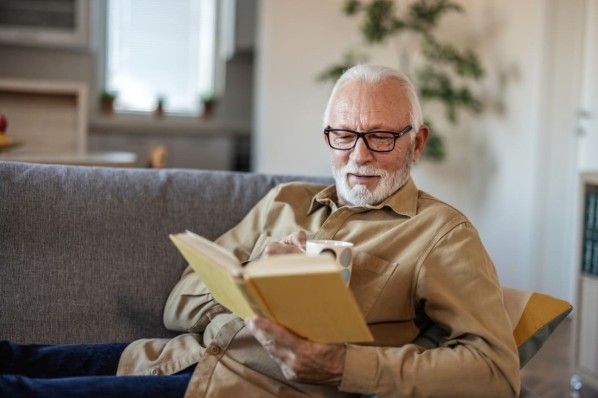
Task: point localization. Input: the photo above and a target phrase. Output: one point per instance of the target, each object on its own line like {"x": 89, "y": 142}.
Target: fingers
{"x": 280, "y": 248}
{"x": 272, "y": 335}
{"x": 296, "y": 239}
{"x": 299, "y": 359}
{"x": 278, "y": 341}
{"x": 261, "y": 329}
{"x": 291, "y": 244}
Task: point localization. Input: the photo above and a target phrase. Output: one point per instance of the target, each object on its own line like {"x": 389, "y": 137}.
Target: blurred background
{"x": 237, "y": 85}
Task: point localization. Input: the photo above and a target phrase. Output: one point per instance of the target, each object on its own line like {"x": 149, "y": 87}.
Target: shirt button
{"x": 154, "y": 371}
{"x": 213, "y": 349}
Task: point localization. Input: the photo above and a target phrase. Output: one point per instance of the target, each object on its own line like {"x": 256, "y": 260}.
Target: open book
{"x": 306, "y": 294}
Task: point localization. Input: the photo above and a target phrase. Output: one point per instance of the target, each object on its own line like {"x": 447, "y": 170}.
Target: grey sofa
{"x": 85, "y": 254}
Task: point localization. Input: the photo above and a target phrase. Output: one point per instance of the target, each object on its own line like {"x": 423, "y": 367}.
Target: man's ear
{"x": 421, "y": 137}
{"x": 325, "y": 138}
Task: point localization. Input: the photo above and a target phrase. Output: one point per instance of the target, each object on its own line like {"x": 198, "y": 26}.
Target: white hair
{"x": 375, "y": 74}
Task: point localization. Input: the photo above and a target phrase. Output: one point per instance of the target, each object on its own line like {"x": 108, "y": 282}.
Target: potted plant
{"x": 107, "y": 99}
{"x": 209, "y": 102}
{"x": 160, "y": 103}
{"x": 443, "y": 72}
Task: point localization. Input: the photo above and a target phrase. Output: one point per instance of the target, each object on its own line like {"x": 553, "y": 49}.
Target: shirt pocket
{"x": 369, "y": 277}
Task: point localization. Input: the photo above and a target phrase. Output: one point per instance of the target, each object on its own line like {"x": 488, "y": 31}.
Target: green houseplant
{"x": 209, "y": 102}
{"x": 443, "y": 73}
{"x": 107, "y": 99}
{"x": 159, "y": 111}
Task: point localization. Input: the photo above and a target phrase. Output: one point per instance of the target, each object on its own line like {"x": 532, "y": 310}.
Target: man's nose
{"x": 360, "y": 153}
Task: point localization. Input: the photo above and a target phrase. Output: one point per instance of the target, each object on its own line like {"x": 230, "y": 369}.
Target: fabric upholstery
{"x": 534, "y": 317}
{"x": 84, "y": 251}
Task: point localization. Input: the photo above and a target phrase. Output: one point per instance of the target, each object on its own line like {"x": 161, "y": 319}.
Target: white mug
{"x": 342, "y": 252}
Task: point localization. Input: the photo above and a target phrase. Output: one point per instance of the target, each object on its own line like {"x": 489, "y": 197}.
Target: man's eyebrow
{"x": 375, "y": 127}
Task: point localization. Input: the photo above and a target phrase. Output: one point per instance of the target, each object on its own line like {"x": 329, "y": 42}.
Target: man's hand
{"x": 299, "y": 359}
{"x": 293, "y": 243}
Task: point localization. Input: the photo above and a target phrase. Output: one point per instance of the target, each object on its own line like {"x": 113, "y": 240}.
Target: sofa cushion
{"x": 84, "y": 251}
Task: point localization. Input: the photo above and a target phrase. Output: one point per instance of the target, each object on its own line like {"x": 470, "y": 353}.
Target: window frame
{"x": 224, "y": 48}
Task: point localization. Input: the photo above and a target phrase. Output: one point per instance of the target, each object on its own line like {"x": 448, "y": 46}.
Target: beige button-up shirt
{"x": 417, "y": 261}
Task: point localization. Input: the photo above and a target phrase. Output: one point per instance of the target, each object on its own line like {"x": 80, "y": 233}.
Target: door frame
{"x": 555, "y": 216}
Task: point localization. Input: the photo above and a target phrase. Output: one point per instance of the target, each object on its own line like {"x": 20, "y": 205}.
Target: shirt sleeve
{"x": 243, "y": 240}
{"x": 190, "y": 306}
{"x": 457, "y": 287}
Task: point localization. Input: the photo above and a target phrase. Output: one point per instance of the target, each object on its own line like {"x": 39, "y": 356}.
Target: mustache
{"x": 368, "y": 170}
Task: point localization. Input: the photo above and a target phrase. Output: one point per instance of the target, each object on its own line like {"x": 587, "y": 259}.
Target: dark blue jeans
{"x": 78, "y": 370}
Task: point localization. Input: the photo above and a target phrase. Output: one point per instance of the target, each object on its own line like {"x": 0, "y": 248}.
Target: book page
{"x": 216, "y": 271}
{"x": 216, "y": 252}
{"x": 286, "y": 264}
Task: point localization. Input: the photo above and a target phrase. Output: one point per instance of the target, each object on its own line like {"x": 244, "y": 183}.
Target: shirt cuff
{"x": 361, "y": 368}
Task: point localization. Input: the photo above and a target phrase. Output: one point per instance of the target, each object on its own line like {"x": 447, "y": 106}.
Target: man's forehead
{"x": 384, "y": 92}
{"x": 374, "y": 103}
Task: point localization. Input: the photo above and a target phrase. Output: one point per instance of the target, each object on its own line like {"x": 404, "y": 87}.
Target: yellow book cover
{"x": 306, "y": 294}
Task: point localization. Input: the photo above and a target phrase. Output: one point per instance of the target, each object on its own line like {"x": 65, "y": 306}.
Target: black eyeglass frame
{"x": 361, "y": 135}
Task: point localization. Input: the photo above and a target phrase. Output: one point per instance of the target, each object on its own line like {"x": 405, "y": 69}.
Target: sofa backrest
{"x": 85, "y": 254}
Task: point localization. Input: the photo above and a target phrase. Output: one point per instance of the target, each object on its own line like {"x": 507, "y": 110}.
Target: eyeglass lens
{"x": 377, "y": 141}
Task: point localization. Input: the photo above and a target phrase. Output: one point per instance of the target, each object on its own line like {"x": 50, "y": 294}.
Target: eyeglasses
{"x": 377, "y": 141}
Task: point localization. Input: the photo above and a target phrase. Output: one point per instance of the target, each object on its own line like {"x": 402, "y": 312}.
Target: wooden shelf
{"x": 586, "y": 320}
{"x": 182, "y": 125}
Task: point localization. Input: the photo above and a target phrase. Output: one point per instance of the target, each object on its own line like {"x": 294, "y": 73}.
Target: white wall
{"x": 556, "y": 202}
{"x": 296, "y": 41}
{"x": 493, "y": 160}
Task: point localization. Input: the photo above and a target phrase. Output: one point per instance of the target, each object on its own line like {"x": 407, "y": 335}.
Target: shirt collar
{"x": 403, "y": 202}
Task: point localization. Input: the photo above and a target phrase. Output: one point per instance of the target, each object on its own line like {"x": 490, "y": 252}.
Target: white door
{"x": 587, "y": 156}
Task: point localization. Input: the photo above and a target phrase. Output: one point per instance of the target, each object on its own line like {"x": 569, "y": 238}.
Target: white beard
{"x": 359, "y": 194}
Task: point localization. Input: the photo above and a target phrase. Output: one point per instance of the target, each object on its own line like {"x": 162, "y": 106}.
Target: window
{"x": 161, "y": 49}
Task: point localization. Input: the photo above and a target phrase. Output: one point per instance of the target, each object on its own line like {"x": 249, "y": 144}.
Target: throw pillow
{"x": 534, "y": 316}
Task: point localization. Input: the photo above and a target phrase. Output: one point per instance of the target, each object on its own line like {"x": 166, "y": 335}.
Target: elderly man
{"x": 417, "y": 262}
